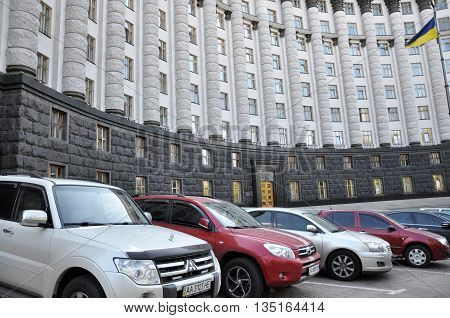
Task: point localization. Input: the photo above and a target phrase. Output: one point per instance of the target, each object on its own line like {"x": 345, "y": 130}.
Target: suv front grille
{"x": 179, "y": 268}
{"x": 306, "y": 251}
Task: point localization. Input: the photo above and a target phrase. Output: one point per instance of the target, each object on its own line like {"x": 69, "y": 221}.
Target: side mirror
{"x": 204, "y": 224}
{"x": 391, "y": 229}
{"x": 149, "y": 217}
{"x": 33, "y": 218}
{"x": 445, "y": 225}
{"x": 312, "y": 228}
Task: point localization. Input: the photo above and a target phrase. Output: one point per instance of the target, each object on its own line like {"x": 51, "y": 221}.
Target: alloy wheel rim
{"x": 79, "y": 295}
{"x": 238, "y": 282}
{"x": 343, "y": 266}
{"x": 417, "y": 257}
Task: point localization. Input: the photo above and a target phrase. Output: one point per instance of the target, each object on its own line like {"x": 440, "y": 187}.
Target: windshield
{"x": 92, "y": 206}
{"x": 232, "y": 216}
{"x": 330, "y": 227}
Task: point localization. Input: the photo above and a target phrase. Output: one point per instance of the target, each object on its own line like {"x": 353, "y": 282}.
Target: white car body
{"x": 34, "y": 260}
{"x": 327, "y": 242}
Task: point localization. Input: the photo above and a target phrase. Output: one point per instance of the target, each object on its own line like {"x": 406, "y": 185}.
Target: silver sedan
{"x": 344, "y": 254}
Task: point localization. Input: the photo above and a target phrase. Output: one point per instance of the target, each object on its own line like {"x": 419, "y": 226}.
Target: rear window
{"x": 7, "y": 195}
{"x": 403, "y": 217}
{"x": 346, "y": 219}
{"x": 265, "y": 217}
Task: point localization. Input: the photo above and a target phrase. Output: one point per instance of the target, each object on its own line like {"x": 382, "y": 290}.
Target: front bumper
{"x": 124, "y": 287}
{"x": 375, "y": 262}
{"x": 441, "y": 253}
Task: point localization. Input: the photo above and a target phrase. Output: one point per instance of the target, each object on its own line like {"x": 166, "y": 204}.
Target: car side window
{"x": 346, "y": 219}
{"x": 183, "y": 214}
{"x": 31, "y": 198}
{"x": 372, "y": 222}
{"x": 8, "y": 193}
{"x": 158, "y": 210}
{"x": 289, "y": 221}
{"x": 264, "y": 217}
{"x": 402, "y": 217}
{"x": 428, "y": 219}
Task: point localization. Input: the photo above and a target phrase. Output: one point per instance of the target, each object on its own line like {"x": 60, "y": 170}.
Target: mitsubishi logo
{"x": 309, "y": 251}
{"x": 191, "y": 267}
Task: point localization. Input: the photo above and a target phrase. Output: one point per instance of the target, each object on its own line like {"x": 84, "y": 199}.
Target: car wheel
{"x": 417, "y": 256}
{"x": 83, "y": 286}
{"x": 343, "y": 265}
{"x": 241, "y": 278}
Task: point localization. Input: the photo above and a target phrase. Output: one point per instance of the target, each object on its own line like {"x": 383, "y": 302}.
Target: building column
{"x": 404, "y": 70}
{"x": 183, "y": 76}
{"x": 351, "y": 104}
{"x": 115, "y": 56}
{"x": 376, "y": 79}
{"x": 22, "y": 46}
{"x": 75, "y": 47}
{"x": 150, "y": 63}
{"x": 295, "y": 81}
{"x": 212, "y": 70}
{"x": 319, "y": 71}
{"x": 240, "y": 73}
{"x": 437, "y": 76}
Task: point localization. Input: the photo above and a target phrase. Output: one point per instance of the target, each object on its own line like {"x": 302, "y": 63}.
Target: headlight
{"x": 140, "y": 271}
{"x": 375, "y": 247}
{"x": 279, "y": 250}
{"x": 443, "y": 241}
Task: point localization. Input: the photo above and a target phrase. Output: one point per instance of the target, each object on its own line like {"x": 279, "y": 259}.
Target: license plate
{"x": 196, "y": 288}
{"x": 313, "y": 270}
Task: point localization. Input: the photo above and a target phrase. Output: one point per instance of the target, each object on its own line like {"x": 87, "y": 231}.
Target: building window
{"x": 378, "y": 187}
{"x": 140, "y": 147}
{"x": 424, "y": 112}
{"x": 162, "y": 19}
{"x": 235, "y": 160}
{"x": 393, "y": 114}
{"x": 56, "y": 171}
{"x": 358, "y": 70}
{"x": 404, "y": 160}
{"x": 438, "y": 180}
{"x": 42, "y": 68}
{"x": 416, "y": 69}
{"x": 426, "y": 135}
{"x": 406, "y": 8}
{"x": 129, "y": 4}
{"x": 102, "y": 138}
{"x": 92, "y": 10}
{"x": 224, "y": 105}
{"x": 308, "y": 113}
{"x": 45, "y": 19}
{"x": 248, "y": 31}
{"x": 207, "y": 188}
{"x": 163, "y": 116}
{"x": 298, "y": 22}
{"x": 128, "y": 106}
{"x": 333, "y": 92}
{"x": 389, "y": 91}
{"x": 223, "y": 73}
{"x": 254, "y": 131}
{"x": 206, "y": 157}
{"x": 322, "y": 189}
{"x": 320, "y": 163}
{"x": 324, "y": 27}
{"x": 162, "y": 50}
{"x": 220, "y": 20}
{"x": 90, "y": 49}
{"x": 129, "y": 32}
{"x": 251, "y": 81}
{"x": 276, "y": 62}
{"x": 335, "y": 115}
{"x": 192, "y": 35}
{"x": 237, "y": 192}
{"x": 348, "y": 162}
{"x": 221, "y": 46}
{"x": 226, "y": 134}
{"x": 383, "y": 49}
{"x": 380, "y": 29}
{"x": 163, "y": 83}
{"x": 278, "y": 86}
{"x": 407, "y": 185}
{"x": 355, "y": 49}
{"x": 192, "y": 8}
{"x": 420, "y": 91}
{"x": 327, "y": 48}
{"x": 176, "y": 186}
{"x": 350, "y": 188}
{"x": 322, "y": 6}
{"x": 274, "y": 38}
{"x": 310, "y": 138}
{"x": 246, "y": 7}
{"x": 375, "y": 161}
{"x": 361, "y": 93}
{"x": 283, "y": 136}
{"x": 195, "y": 96}
{"x": 141, "y": 185}
{"x": 294, "y": 191}
{"x": 444, "y": 24}
{"x": 386, "y": 70}
{"x": 128, "y": 69}
{"x": 89, "y": 92}
{"x": 300, "y": 43}
{"x": 292, "y": 163}
{"x": 59, "y": 125}
{"x": 410, "y": 28}
{"x": 348, "y": 8}
{"x": 272, "y": 15}
{"x": 330, "y": 69}
{"x": 435, "y": 158}
{"x": 175, "y": 153}
{"x": 396, "y": 138}
{"x": 306, "y": 89}
{"x": 303, "y": 66}
{"x": 352, "y": 29}
{"x": 103, "y": 177}
{"x": 377, "y": 10}
{"x": 364, "y": 116}
{"x": 193, "y": 63}
{"x": 441, "y": 4}
{"x": 414, "y": 50}
{"x": 249, "y": 57}
{"x": 281, "y": 111}
{"x": 253, "y": 109}
{"x": 366, "y": 138}
{"x": 338, "y": 137}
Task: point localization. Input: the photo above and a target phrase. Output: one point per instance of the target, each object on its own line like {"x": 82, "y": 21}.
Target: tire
{"x": 418, "y": 256}
{"x": 83, "y": 286}
{"x": 343, "y": 265}
{"x": 241, "y": 278}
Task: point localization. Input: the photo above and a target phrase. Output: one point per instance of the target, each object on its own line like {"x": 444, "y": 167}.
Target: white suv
{"x": 68, "y": 238}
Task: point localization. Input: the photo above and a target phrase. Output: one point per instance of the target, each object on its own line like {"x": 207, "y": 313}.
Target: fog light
{"x": 381, "y": 264}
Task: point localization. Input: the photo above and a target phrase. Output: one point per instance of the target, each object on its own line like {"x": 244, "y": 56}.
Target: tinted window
{"x": 7, "y": 196}
{"x": 343, "y": 218}
{"x": 185, "y": 215}
{"x": 372, "y": 222}
{"x": 158, "y": 210}
{"x": 265, "y": 217}
{"x": 31, "y": 199}
{"x": 291, "y": 222}
{"x": 428, "y": 219}
{"x": 404, "y": 218}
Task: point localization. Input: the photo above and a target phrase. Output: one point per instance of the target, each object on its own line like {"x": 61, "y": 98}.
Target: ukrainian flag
{"x": 429, "y": 32}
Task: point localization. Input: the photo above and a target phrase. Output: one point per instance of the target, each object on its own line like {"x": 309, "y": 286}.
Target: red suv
{"x": 252, "y": 257}
{"x": 417, "y": 247}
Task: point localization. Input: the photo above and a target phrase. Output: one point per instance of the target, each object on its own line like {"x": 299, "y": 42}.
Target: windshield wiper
{"x": 85, "y": 224}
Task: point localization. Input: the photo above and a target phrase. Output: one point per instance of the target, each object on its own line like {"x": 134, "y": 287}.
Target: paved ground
{"x": 402, "y": 281}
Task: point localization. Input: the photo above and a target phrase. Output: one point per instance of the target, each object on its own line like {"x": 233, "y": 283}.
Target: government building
{"x": 258, "y": 102}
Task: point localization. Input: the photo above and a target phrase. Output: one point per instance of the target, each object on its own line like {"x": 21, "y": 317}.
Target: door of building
{"x": 267, "y": 194}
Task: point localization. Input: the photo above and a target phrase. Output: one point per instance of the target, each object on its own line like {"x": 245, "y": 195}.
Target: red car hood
{"x": 266, "y": 235}
{"x": 424, "y": 233}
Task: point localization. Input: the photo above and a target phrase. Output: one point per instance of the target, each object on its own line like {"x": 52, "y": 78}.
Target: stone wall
{"x": 25, "y": 146}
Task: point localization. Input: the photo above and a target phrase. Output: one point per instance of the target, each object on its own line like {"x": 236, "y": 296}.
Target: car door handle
{"x": 422, "y": 229}
{"x": 6, "y": 231}
{"x": 363, "y": 232}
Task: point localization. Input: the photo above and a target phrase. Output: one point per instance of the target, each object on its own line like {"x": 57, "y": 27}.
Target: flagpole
{"x": 442, "y": 55}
